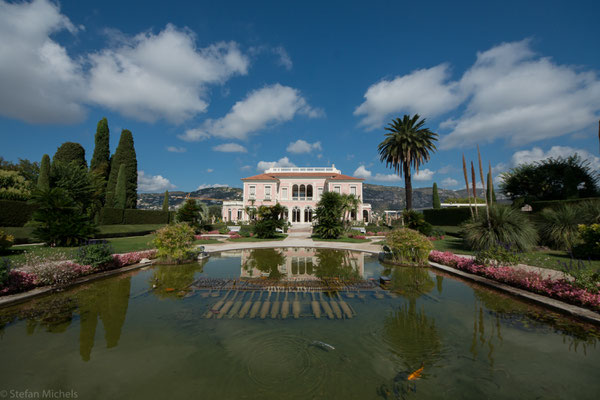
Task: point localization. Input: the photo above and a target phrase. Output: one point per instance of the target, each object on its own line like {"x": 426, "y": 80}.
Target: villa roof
{"x": 276, "y": 175}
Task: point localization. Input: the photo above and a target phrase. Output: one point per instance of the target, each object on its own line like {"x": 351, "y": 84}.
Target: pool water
{"x": 151, "y": 334}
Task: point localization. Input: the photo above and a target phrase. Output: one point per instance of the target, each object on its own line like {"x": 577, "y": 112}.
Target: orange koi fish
{"x": 416, "y": 374}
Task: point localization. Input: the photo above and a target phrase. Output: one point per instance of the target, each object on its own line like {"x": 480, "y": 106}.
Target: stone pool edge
{"x": 557, "y": 305}
{"x": 18, "y": 298}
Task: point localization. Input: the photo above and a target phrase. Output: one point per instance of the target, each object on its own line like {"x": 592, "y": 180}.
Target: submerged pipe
{"x": 275, "y": 308}
{"x": 265, "y": 307}
{"x": 296, "y": 308}
{"x": 315, "y": 307}
{"x": 285, "y": 307}
{"x": 256, "y": 306}
{"x": 215, "y": 308}
{"x": 326, "y": 307}
{"x": 226, "y": 306}
{"x": 335, "y": 308}
{"x": 246, "y": 306}
{"x": 377, "y": 294}
{"x": 345, "y": 307}
{"x": 236, "y": 307}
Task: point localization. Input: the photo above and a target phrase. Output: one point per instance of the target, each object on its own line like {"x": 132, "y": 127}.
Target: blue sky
{"x": 216, "y": 91}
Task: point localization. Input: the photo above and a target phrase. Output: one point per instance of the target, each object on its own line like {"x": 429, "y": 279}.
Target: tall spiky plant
{"x": 467, "y": 185}
{"x": 407, "y": 145}
{"x": 487, "y": 203}
{"x": 474, "y": 188}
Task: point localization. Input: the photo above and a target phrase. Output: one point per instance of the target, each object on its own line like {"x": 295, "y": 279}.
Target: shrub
{"x": 496, "y": 255}
{"x": 13, "y": 186}
{"x": 58, "y": 222}
{"x": 538, "y": 206}
{"x": 174, "y": 242}
{"x": 416, "y": 221}
{"x": 506, "y": 225}
{"x": 590, "y": 242}
{"x": 269, "y": 219}
{"x": 15, "y": 213}
{"x": 408, "y": 247}
{"x": 452, "y": 216}
{"x": 558, "y": 227}
{"x": 189, "y": 212}
{"x": 59, "y": 273}
{"x": 111, "y": 216}
{"x": 143, "y": 217}
{"x": 121, "y": 260}
{"x": 6, "y": 241}
{"x": 328, "y": 215}
{"x": 97, "y": 255}
{"x": 5, "y": 267}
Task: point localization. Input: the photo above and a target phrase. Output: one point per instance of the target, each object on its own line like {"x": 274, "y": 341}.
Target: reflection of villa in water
{"x": 298, "y": 263}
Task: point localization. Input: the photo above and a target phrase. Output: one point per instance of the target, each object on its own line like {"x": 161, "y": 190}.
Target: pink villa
{"x": 298, "y": 189}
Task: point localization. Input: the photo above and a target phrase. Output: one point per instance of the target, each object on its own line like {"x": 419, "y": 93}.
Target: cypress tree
{"x": 490, "y": 189}
{"x": 125, "y": 154}
{"x": 70, "y": 151}
{"x": 100, "y": 164}
{"x": 43, "y": 182}
{"x": 436, "y": 197}
{"x": 165, "y": 206}
{"x": 120, "y": 190}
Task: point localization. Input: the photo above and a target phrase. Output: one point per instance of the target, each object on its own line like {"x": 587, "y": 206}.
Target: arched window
{"x": 307, "y": 214}
{"x": 295, "y": 192}
{"x": 296, "y": 214}
{"x": 365, "y": 215}
{"x": 309, "y": 192}
{"x": 353, "y": 215}
{"x": 229, "y": 214}
{"x": 302, "y": 192}
{"x": 285, "y": 214}
{"x": 240, "y": 215}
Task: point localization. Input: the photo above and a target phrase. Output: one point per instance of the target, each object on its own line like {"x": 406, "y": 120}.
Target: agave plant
{"x": 558, "y": 226}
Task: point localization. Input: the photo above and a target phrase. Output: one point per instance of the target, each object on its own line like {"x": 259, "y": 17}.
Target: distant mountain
{"x": 210, "y": 196}
{"x": 380, "y": 197}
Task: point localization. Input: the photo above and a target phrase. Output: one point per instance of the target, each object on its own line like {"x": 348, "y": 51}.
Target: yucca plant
{"x": 505, "y": 225}
{"x": 558, "y": 226}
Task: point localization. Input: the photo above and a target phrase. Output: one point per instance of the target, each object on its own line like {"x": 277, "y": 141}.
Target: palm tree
{"x": 349, "y": 203}
{"x": 407, "y": 145}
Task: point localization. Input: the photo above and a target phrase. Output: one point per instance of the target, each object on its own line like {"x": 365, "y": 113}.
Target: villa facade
{"x": 298, "y": 189}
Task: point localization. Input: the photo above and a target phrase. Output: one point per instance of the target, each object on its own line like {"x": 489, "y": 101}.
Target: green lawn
{"x": 207, "y": 241}
{"x": 24, "y": 234}
{"x": 342, "y": 240}
{"x": 255, "y": 239}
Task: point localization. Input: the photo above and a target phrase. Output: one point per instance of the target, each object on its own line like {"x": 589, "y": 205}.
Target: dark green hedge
{"x": 15, "y": 213}
{"x": 447, "y": 216}
{"x": 118, "y": 216}
{"x": 111, "y": 216}
{"x": 138, "y": 217}
{"x": 540, "y": 205}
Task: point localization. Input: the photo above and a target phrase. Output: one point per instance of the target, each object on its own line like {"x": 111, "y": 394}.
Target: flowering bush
{"x": 200, "y": 237}
{"x": 357, "y": 236}
{"x": 6, "y": 240}
{"x": 58, "y": 273}
{"x": 215, "y": 232}
{"x": 370, "y": 233}
{"x": 382, "y": 233}
{"x": 560, "y": 289}
{"x": 232, "y": 233}
{"x": 17, "y": 281}
{"x": 121, "y": 260}
{"x": 235, "y": 235}
{"x": 590, "y": 237}
{"x": 407, "y": 246}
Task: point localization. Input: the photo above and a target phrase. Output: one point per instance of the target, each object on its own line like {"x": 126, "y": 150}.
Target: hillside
{"x": 379, "y": 196}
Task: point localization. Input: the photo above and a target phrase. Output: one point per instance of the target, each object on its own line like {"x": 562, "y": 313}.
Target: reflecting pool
{"x": 245, "y": 325}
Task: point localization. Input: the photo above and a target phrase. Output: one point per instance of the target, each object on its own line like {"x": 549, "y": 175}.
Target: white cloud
{"x": 449, "y": 183}
{"x": 387, "y": 177}
{"x": 214, "y": 185}
{"x": 509, "y": 93}
{"x": 537, "y": 154}
{"x": 153, "y": 76}
{"x": 446, "y": 169}
{"x": 209, "y": 170}
{"x": 282, "y": 162}
{"x": 284, "y": 58}
{"x": 260, "y": 109}
{"x": 146, "y": 77}
{"x": 425, "y": 91}
{"x": 40, "y": 82}
{"x": 362, "y": 172}
{"x": 516, "y": 95}
{"x": 246, "y": 167}
{"x": 424, "y": 175}
{"x": 302, "y": 146}
{"x": 153, "y": 183}
{"x": 230, "y": 148}
{"x": 174, "y": 149}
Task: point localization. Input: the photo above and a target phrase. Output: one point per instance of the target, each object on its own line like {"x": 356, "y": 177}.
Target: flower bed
{"x": 560, "y": 289}
{"x": 61, "y": 272}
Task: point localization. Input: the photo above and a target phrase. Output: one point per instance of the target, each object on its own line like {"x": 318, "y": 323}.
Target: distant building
{"x": 298, "y": 189}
